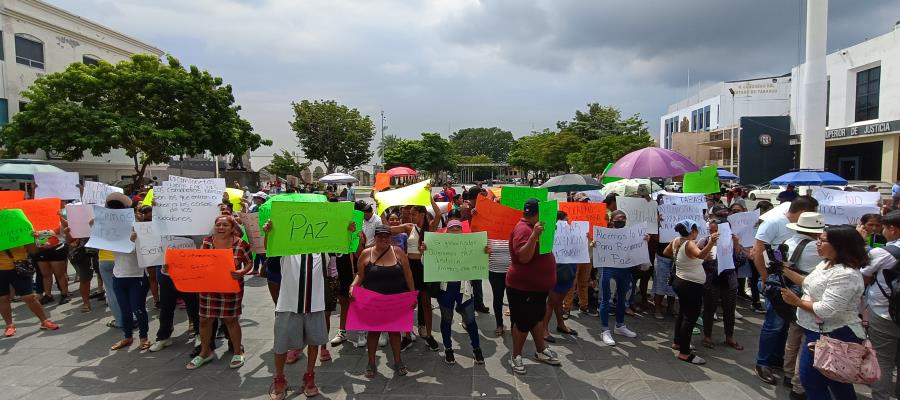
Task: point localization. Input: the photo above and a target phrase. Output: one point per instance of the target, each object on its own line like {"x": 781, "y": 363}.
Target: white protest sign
{"x": 63, "y": 185}
{"x": 671, "y": 214}
{"x": 210, "y": 184}
{"x": 836, "y": 214}
{"x": 639, "y": 211}
{"x": 148, "y": 244}
{"x": 79, "y": 217}
{"x": 96, "y": 192}
{"x": 840, "y": 207}
{"x": 620, "y": 248}
{"x": 570, "y": 244}
{"x": 184, "y": 210}
{"x": 177, "y": 242}
{"x": 683, "y": 198}
{"x": 744, "y": 226}
{"x": 112, "y": 230}
{"x": 254, "y": 234}
{"x": 725, "y": 248}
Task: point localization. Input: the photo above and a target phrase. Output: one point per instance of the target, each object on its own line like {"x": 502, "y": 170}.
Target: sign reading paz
{"x": 454, "y": 257}
{"x": 304, "y": 228}
{"x": 112, "y": 230}
{"x": 207, "y": 270}
{"x": 570, "y": 244}
{"x": 620, "y": 248}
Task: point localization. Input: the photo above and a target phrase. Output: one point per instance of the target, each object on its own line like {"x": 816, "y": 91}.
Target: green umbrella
{"x": 608, "y": 179}
{"x": 265, "y": 210}
{"x": 571, "y": 183}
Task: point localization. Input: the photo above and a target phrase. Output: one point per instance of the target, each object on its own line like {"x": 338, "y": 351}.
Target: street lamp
{"x": 734, "y": 123}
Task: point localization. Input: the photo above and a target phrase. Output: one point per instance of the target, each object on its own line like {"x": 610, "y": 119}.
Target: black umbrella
{"x": 571, "y": 183}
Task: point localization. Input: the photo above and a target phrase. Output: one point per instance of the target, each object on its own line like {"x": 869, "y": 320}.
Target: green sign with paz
{"x": 15, "y": 230}
{"x": 306, "y": 228}
{"x": 451, "y": 257}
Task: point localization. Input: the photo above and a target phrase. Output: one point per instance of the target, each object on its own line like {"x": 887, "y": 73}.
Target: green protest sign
{"x": 547, "y": 215}
{"x": 265, "y": 210}
{"x": 15, "y": 230}
{"x": 515, "y": 196}
{"x": 304, "y": 228}
{"x": 358, "y": 218}
{"x": 704, "y": 181}
{"x": 451, "y": 257}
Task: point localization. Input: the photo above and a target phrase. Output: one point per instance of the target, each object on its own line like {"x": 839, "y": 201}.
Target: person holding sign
{"x": 226, "y": 306}
{"x": 21, "y": 283}
{"x": 688, "y": 284}
{"x": 721, "y": 285}
{"x": 53, "y": 260}
{"x": 565, "y": 280}
{"x": 622, "y": 276}
{"x": 385, "y": 270}
{"x": 529, "y": 280}
{"x": 458, "y": 295}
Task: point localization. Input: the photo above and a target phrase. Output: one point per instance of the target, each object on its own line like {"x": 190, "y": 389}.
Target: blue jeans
{"x": 477, "y": 293}
{"x": 132, "y": 295}
{"x": 106, "y": 274}
{"x": 817, "y": 386}
{"x": 772, "y": 339}
{"x": 498, "y": 288}
{"x": 622, "y": 276}
{"x": 450, "y": 299}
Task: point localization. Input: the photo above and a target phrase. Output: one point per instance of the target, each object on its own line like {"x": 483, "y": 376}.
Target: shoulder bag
{"x": 846, "y": 362}
{"x": 24, "y": 268}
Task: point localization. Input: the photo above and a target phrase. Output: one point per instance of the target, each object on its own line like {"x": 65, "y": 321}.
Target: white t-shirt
{"x": 774, "y": 231}
{"x": 879, "y": 259}
{"x": 369, "y": 229}
{"x": 810, "y": 256}
{"x": 126, "y": 265}
{"x": 296, "y": 272}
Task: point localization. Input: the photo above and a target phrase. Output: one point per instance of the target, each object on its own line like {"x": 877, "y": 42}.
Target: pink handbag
{"x": 846, "y": 362}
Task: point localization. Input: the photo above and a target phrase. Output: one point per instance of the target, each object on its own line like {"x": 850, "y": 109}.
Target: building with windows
{"x": 862, "y": 119}
{"x": 37, "y": 39}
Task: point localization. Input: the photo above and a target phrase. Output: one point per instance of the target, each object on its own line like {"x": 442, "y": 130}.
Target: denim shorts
{"x": 661, "y": 276}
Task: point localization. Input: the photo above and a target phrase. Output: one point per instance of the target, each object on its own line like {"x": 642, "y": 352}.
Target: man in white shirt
{"x": 883, "y": 332}
{"x": 802, "y": 256}
{"x": 773, "y": 334}
{"x": 370, "y": 221}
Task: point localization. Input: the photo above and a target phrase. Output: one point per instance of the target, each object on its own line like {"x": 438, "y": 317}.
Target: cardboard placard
{"x": 303, "y": 228}
{"x": 620, "y": 248}
{"x": 202, "y": 270}
{"x": 454, "y": 257}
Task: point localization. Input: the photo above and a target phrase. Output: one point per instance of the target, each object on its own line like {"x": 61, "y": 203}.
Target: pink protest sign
{"x": 372, "y": 311}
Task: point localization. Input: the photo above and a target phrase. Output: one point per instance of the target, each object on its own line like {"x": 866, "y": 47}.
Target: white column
{"x": 812, "y": 95}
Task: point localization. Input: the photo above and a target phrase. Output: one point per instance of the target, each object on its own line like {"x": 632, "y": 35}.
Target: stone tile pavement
{"x": 75, "y": 362}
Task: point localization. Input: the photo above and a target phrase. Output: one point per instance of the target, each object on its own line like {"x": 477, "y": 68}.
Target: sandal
{"x": 400, "y": 369}
{"x": 198, "y": 361}
{"x": 567, "y": 331}
{"x": 145, "y": 345}
{"x": 708, "y": 343}
{"x": 693, "y": 359}
{"x": 370, "y": 371}
{"x": 122, "y": 344}
{"x": 499, "y": 331}
{"x": 237, "y": 361}
{"x": 85, "y": 308}
{"x": 9, "y": 331}
{"x": 734, "y": 345}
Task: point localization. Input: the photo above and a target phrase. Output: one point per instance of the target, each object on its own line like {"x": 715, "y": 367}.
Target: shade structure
{"x": 571, "y": 183}
{"x": 338, "y": 178}
{"x": 726, "y": 175}
{"x": 808, "y": 178}
{"x": 629, "y": 187}
{"x": 24, "y": 169}
{"x": 652, "y": 162}
{"x": 401, "y": 171}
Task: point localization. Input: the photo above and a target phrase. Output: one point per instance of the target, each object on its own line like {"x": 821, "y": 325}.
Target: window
{"x": 693, "y": 120}
{"x": 706, "y": 117}
{"x": 867, "y": 88}
{"x": 29, "y": 51}
{"x": 88, "y": 59}
{"x": 1, "y": 46}
{"x": 4, "y": 111}
{"x": 700, "y": 124}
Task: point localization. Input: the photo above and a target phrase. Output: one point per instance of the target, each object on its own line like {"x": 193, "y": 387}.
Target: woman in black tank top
{"x": 385, "y": 270}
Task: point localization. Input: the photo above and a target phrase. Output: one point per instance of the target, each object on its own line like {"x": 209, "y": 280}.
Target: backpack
{"x": 892, "y": 279}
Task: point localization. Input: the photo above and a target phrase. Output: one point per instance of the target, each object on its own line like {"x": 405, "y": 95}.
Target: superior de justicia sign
{"x": 868, "y": 129}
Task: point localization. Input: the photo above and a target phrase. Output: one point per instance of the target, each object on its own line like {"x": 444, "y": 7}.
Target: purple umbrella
{"x": 652, "y": 162}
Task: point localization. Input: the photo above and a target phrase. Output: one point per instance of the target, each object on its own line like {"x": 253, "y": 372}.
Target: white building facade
{"x": 38, "y": 39}
{"x": 862, "y": 140}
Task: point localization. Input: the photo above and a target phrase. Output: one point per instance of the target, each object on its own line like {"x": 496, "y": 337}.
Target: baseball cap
{"x": 531, "y": 207}
{"x": 261, "y": 194}
{"x": 382, "y": 230}
{"x": 361, "y": 205}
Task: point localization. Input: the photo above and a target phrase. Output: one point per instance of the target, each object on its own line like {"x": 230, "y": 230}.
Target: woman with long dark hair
{"x": 830, "y": 305}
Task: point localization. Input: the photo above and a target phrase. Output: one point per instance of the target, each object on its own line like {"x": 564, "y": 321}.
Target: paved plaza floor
{"x": 75, "y": 362}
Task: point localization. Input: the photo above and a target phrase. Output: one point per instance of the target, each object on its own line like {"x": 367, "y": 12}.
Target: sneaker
{"x": 517, "y": 365}
{"x": 341, "y": 337}
{"x": 432, "y": 344}
{"x": 482, "y": 309}
{"x": 479, "y": 358}
{"x": 382, "y": 340}
{"x": 49, "y": 325}
{"x": 448, "y": 357}
{"x": 360, "y": 341}
{"x": 607, "y": 338}
{"x": 547, "y": 356}
{"x": 624, "y": 331}
{"x": 593, "y": 313}
{"x": 160, "y": 344}
{"x": 309, "y": 385}
{"x": 278, "y": 389}
{"x": 405, "y": 343}
{"x": 738, "y": 315}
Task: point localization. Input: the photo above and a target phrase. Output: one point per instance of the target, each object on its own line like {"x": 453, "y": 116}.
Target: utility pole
{"x": 382, "y": 139}
{"x": 812, "y": 91}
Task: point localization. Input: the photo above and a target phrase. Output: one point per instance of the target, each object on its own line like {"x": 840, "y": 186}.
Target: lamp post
{"x": 734, "y": 124}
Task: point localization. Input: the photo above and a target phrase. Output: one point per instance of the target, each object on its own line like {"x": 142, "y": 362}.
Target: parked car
{"x": 674, "y": 187}
{"x": 766, "y": 192}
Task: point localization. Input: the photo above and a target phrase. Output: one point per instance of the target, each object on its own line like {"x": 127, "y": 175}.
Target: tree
{"x": 526, "y": 152}
{"x": 600, "y": 120}
{"x": 404, "y": 154}
{"x": 284, "y": 164}
{"x": 432, "y": 154}
{"x": 386, "y": 143}
{"x": 151, "y": 110}
{"x": 596, "y": 154}
{"x": 333, "y": 134}
{"x": 492, "y": 142}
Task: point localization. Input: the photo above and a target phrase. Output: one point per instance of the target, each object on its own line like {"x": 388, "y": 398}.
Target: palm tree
{"x": 387, "y": 142}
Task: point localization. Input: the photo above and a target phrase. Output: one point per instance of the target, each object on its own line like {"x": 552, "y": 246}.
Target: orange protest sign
{"x": 495, "y": 219}
{"x": 42, "y": 213}
{"x": 496, "y": 191}
{"x": 595, "y": 213}
{"x": 382, "y": 181}
{"x": 9, "y": 196}
{"x": 202, "y": 270}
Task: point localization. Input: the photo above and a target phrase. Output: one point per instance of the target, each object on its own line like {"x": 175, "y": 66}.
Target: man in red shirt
{"x": 531, "y": 276}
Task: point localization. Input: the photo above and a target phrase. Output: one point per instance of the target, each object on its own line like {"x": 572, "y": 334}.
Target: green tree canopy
{"x": 285, "y": 164}
{"x": 151, "y": 110}
{"x": 600, "y": 121}
{"x": 403, "y": 154}
{"x": 492, "y": 142}
{"x": 387, "y": 142}
{"x": 432, "y": 153}
{"x": 332, "y": 133}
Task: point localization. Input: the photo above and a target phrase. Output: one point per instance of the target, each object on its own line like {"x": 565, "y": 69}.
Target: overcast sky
{"x": 442, "y": 65}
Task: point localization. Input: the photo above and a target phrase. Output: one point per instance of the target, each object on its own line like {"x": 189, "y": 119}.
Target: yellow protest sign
{"x": 148, "y": 199}
{"x": 412, "y": 195}
{"x": 235, "y": 196}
